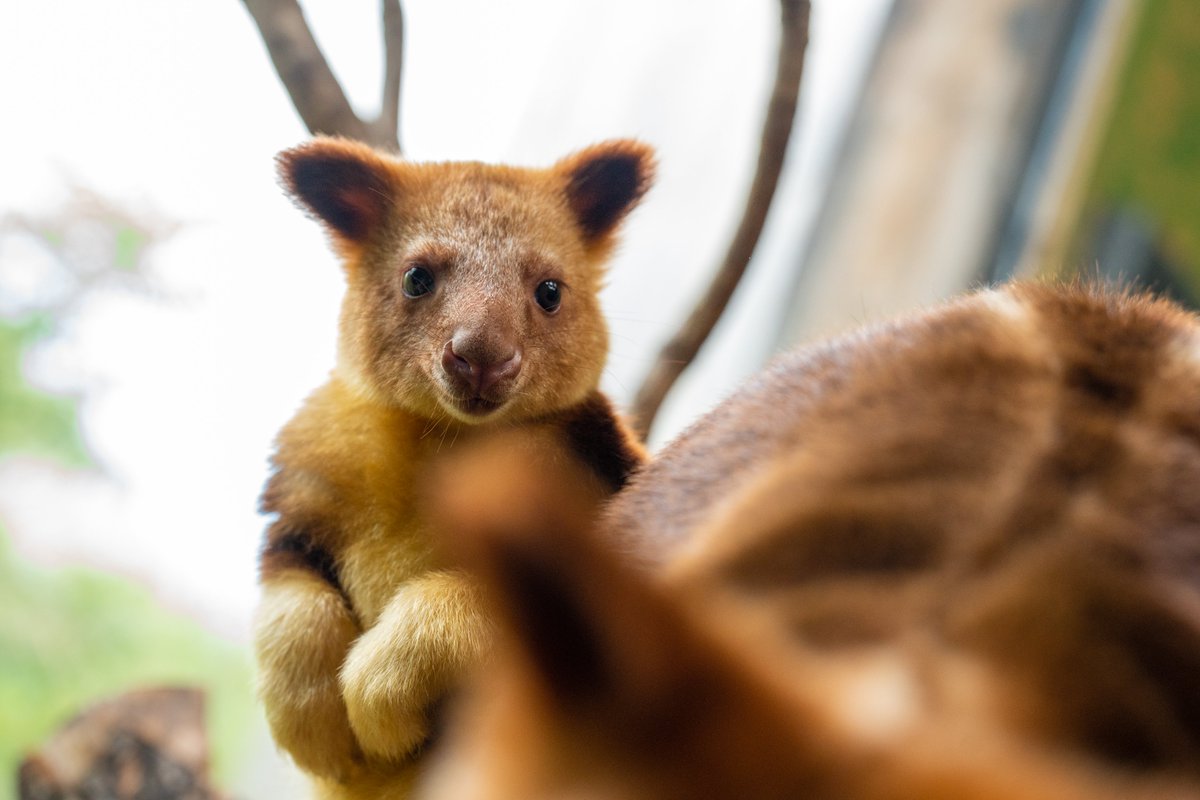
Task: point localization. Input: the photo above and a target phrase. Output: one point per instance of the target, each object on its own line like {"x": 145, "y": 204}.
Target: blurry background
{"x": 163, "y": 309}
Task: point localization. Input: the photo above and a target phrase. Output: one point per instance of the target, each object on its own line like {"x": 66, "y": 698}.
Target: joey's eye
{"x": 548, "y": 295}
{"x": 417, "y": 281}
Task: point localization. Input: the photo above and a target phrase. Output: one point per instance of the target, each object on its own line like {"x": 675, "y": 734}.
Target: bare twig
{"x": 388, "y": 122}
{"x": 678, "y": 353}
{"x": 315, "y": 91}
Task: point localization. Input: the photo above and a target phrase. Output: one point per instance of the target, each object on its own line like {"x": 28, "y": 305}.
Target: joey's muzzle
{"x": 481, "y": 372}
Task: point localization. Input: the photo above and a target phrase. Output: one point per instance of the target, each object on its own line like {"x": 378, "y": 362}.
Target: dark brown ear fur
{"x": 521, "y": 526}
{"x": 605, "y": 182}
{"x": 344, "y": 184}
{"x": 606, "y": 652}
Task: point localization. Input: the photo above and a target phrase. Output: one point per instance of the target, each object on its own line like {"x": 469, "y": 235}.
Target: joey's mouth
{"x": 472, "y": 406}
{"x": 479, "y": 406}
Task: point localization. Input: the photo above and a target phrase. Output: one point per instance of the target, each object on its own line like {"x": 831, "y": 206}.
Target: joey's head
{"x": 471, "y": 288}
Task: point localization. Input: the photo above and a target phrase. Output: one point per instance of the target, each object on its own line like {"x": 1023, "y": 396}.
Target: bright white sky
{"x": 173, "y": 106}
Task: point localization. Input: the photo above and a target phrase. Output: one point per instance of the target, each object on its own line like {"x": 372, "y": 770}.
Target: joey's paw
{"x": 419, "y": 650}
{"x": 316, "y": 733}
{"x": 390, "y": 695}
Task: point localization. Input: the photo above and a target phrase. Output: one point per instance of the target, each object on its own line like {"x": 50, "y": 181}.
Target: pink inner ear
{"x": 360, "y": 210}
{"x": 346, "y": 186}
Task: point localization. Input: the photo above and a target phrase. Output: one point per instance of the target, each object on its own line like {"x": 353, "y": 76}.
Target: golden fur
{"x": 363, "y": 630}
{"x": 953, "y": 557}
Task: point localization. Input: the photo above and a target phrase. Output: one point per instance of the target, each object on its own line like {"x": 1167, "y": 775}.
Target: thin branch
{"x": 315, "y": 92}
{"x": 387, "y": 124}
{"x": 681, "y": 350}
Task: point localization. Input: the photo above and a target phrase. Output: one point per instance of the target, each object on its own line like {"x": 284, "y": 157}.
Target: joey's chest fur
{"x": 352, "y": 479}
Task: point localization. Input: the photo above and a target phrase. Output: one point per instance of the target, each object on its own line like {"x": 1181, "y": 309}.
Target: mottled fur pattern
{"x": 363, "y": 630}
{"x": 953, "y": 557}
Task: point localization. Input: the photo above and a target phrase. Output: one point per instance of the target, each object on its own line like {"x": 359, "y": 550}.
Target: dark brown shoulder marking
{"x": 289, "y": 547}
{"x": 293, "y": 540}
{"x": 602, "y": 441}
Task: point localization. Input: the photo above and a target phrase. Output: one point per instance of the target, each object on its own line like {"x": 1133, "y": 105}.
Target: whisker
{"x": 434, "y": 423}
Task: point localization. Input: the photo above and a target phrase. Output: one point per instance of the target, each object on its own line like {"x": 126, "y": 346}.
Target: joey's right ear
{"x": 345, "y": 184}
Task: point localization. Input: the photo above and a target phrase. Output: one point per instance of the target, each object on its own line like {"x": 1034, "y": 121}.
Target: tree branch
{"x": 315, "y": 92}
{"x": 679, "y": 352}
{"x": 387, "y": 124}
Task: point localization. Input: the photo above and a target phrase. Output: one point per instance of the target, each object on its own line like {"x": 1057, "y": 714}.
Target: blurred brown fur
{"x": 953, "y": 556}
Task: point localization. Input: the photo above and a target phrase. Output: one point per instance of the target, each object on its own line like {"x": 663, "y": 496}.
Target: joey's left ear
{"x": 345, "y": 184}
{"x": 605, "y": 181}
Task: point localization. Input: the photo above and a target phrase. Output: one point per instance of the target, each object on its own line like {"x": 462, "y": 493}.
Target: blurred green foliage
{"x": 1149, "y": 158}
{"x": 32, "y": 421}
{"x": 70, "y": 637}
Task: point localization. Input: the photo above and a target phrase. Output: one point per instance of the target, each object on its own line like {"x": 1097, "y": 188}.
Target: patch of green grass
{"x": 1150, "y": 154}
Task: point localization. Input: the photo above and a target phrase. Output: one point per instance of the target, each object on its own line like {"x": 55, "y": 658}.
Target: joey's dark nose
{"x": 476, "y": 369}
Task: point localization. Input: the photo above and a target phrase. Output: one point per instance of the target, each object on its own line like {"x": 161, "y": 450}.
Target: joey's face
{"x": 482, "y": 307}
{"x": 472, "y": 289}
